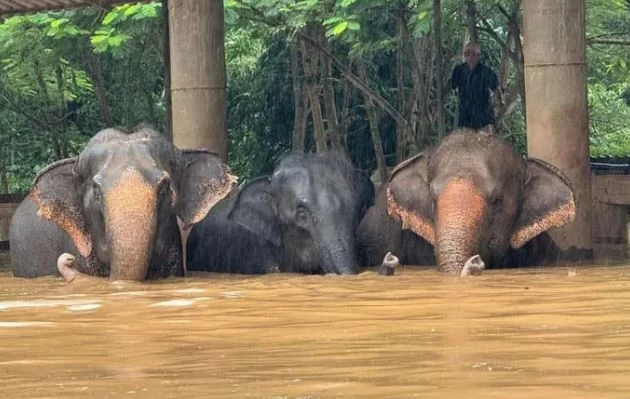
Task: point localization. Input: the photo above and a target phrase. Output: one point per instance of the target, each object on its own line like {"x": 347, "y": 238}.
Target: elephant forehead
{"x": 117, "y": 156}
{"x": 130, "y": 191}
{"x": 329, "y": 199}
{"x": 294, "y": 182}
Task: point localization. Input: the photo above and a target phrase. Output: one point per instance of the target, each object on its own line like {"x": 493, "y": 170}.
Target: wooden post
{"x": 557, "y": 116}
{"x": 198, "y": 87}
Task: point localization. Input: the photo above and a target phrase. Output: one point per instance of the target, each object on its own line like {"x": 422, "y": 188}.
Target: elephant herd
{"x": 132, "y": 206}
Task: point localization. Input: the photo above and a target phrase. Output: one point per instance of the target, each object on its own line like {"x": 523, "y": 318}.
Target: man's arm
{"x": 493, "y": 85}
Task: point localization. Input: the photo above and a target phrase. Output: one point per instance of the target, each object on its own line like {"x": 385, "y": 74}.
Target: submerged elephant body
{"x": 116, "y": 207}
{"x": 302, "y": 219}
{"x": 471, "y": 194}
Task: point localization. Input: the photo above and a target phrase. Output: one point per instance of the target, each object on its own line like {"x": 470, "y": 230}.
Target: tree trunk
{"x": 4, "y": 189}
{"x": 504, "y": 67}
{"x": 437, "y": 29}
{"x": 329, "y": 98}
{"x": 515, "y": 55}
{"x": 520, "y": 65}
{"x": 373, "y": 121}
{"x": 422, "y": 49}
{"x": 357, "y": 82}
{"x": 299, "y": 103}
{"x": 345, "y": 109}
{"x": 400, "y": 88}
{"x": 45, "y": 104}
{"x": 58, "y": 132}
{"x": 417, "y": 111}
{"x": 471, "y": 21}
{"x": 313, "y": 96}
{"x": 96, "y": 74}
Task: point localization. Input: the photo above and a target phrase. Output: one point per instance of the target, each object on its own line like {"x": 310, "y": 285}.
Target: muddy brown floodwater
{"x": 521, "y": 333}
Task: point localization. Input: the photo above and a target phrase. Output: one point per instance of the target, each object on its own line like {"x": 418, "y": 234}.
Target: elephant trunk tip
{"x": 389, "y": 265}
{"x": 473, "y": 266}
{"x": 65, "y": 266}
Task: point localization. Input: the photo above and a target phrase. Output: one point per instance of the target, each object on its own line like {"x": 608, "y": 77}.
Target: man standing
{"x": 473, "y": 82}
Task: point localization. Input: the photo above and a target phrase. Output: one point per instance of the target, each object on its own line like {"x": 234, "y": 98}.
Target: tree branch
{"x": 347, "y": 74}
{"x": 620, "y": 42}
{"x": 19, "y": 109}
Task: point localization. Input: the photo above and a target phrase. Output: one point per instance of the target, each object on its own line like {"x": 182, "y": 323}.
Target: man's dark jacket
{"x": 473, "y": 89}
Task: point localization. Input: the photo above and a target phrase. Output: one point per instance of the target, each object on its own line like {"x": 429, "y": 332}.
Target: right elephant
{"x": 471, "y": 194}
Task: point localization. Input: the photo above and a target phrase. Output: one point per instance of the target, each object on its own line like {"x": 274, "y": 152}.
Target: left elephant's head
{"x": 119, "y": 200}
{"x": 473, "y": 194}
{"x": 309, "y": 209}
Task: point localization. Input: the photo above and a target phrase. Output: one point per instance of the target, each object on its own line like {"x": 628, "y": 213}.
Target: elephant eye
{"x": 301, "y": 215}
{"x": 497, "y": 201}
{"x": 97, "y": 190}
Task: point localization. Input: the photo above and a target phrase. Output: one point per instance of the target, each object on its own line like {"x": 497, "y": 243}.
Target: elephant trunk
{"x": 460, "y": 211}
{"x": 339, "y": 257}
{"x": 131, "y": 222}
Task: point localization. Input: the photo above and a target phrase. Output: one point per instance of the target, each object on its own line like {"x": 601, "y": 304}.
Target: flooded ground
{"x": 522, "y": 333}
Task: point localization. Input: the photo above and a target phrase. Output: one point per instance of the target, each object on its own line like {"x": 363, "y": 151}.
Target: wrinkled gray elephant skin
{"x": 115, "y": 207}
{"x": 301, "y": 219}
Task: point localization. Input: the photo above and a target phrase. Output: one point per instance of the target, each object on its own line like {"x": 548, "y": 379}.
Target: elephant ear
{"x": 255, "y": 209}
{"x": 203, "y": 181}
{"x": 409, "y": 197}
{"x": 55, "y": 191}
{"x": 548, "y": 202}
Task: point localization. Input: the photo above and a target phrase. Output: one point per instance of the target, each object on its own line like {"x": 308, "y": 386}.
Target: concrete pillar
{"x": 198, "y": 88}
{"x": 557, "y": 116}
{"x": 166, "y": 56}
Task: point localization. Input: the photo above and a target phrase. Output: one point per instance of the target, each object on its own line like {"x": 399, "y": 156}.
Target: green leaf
{"x": 110, "y": 17}
{"x": 354, "y": 25}
{"x": 340, "y": 28}
{"x": 58, "y": 22}
{"x": 96, "y": 39}
{"x": 332, "y": 20}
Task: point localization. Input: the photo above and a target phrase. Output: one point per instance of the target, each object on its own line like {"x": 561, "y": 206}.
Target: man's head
{"x": 471, "y": 54}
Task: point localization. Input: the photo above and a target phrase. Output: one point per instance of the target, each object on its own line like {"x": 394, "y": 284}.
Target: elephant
{"x": 301, "y": 219}
{"x": 471, "y": 194}
{"x": 116, "y": 206}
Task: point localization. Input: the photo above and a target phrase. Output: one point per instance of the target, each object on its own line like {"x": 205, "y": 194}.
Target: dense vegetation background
{"x": 303, "y": 75}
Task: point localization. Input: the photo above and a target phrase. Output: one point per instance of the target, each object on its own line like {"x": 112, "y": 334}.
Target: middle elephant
{"x": 303, "y": 218}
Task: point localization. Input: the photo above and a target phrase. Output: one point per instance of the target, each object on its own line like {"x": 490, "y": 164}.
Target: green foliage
{"x": 111, "y": 36}
{"x": 610, "y": 122}
{"x": 260, "y": 105}
{"x": 48, "y": 66}
{"x": 62, "y": 73}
